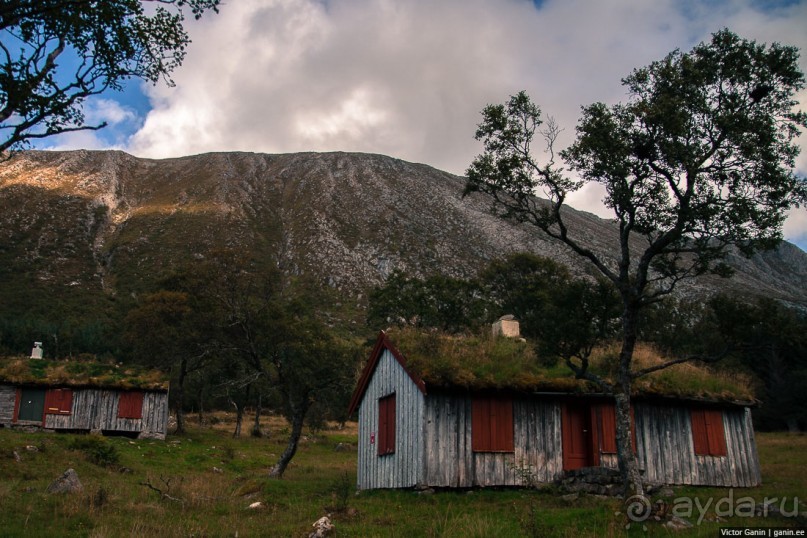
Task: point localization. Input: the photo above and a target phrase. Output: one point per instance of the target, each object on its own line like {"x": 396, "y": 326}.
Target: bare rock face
{"x": 67, "y": 483}
{"x": 105, "y": 222}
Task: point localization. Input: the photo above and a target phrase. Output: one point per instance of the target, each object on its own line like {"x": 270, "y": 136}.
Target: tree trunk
{"x": 201, "y": 407}
{"x": 294, "y": 438}
{"x": 256, "y": 428}
{"x": 180, "y": 392}
{"x": 239, "y": 417}
{"x": 628, "y": 464}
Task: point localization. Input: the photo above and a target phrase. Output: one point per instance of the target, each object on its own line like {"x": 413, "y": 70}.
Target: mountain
{"x": 95, "y": 224}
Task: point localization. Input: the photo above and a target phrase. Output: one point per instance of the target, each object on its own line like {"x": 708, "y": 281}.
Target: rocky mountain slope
{"x": 107, "y": 222}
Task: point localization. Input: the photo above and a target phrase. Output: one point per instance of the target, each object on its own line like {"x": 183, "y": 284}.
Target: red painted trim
{"x": 382, "y": 343}
{"x": 14, "y": 418}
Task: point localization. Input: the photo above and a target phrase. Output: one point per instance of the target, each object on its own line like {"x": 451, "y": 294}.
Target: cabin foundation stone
{"x": 592, "y": 480}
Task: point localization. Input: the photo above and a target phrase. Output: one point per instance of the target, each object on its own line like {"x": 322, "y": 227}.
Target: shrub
{"x": 97, "y": 450}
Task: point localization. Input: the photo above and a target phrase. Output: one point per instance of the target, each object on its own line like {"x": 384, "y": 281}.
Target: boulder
{"x": 322, "y": 527}
{"x": 67, "y": 483}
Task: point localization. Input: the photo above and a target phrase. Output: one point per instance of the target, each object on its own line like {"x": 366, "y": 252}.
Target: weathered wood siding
{"x": 404, "y": 467}
{"x": 450, "y": 461}
{"x": 97, "y": 409}
{"x": 8, "y": 396}
{"x": 666, "y": 452}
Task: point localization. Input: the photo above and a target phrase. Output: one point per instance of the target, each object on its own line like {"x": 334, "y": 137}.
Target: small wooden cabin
{"x": 83, "y": 397}
{"x": 441, "y": 411}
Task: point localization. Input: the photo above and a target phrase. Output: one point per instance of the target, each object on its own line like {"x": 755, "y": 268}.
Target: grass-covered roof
{"x": 80, "y": 373}
{"x": 483, "y": 362}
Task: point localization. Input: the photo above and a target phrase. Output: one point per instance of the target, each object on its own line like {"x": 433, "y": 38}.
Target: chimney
{"x": 506, "y": 326}
{"x": 36, "y": 353}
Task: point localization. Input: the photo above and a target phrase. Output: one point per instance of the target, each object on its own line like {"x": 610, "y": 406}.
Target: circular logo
{"x": 638, "y": 508}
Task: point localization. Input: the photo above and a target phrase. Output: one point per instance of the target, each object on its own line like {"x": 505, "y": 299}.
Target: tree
{"x": 245, "y": 296}
{"x": 169, "y": 330}
{"x": 770, "y": 340}
{"x": 698, "y": 160}
{"x": 57, "y": 53}
{"x": 567, "y": 316}
{"x": 449, "y": 304}
{"x": 309, "y": 366}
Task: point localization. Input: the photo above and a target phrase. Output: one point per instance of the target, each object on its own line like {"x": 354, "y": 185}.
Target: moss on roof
{"x": 80, "y": 373}
{"x": 482, "y": 362}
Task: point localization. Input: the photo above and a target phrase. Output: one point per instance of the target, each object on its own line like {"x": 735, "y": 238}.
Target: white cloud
{"x": 100, "y": 110}
{"x": 408, "y": 79}
{"x": 120, "y": 120}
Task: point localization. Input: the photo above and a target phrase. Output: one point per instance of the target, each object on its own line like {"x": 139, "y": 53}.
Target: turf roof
{"x": 482, "y": 362}
{"x": 79, "y": 373}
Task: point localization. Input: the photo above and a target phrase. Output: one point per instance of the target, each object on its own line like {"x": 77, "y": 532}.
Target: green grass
{"x": 210, "y": 479}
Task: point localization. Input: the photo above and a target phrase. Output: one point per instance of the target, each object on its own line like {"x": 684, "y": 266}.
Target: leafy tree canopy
{"x": 700, "y": 158}
{"x": 56, "y": 53}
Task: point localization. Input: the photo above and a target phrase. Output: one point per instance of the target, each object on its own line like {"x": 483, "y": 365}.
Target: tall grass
{"x": 206, "y": 482}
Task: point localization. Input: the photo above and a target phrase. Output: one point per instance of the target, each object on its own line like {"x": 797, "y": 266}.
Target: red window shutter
{"x": 492, "y": 424}
{"x": 608, "y": 430}
{"x": 130, "y": 405}
{"x": 715, "y": 434}
{"x": 480, "y": 424}
{"x": 700, "y": 440}
{"x": 67, "y": 402}
{"x": 386, "y": 425}
{"x": 708, "y": 434}
{"x": 504, "y": 422}
{"x": 51, "y": 405}
{"x": 58, "y": 401}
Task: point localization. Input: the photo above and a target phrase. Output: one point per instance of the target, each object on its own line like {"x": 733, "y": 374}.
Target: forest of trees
{"x": 566, "y": 316}
{"x": 235, "y": 336}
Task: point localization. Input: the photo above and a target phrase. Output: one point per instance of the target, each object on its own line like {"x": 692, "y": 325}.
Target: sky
{"x": 408, "y": 78}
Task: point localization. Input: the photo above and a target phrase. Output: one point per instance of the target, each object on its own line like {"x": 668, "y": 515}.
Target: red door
{"x": 576, "y": 433}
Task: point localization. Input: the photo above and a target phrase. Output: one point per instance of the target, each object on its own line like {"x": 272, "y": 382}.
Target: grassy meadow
{"x": 201, "y": 484}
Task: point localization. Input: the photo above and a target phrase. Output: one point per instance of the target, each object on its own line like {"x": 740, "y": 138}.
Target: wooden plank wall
{"x": 403, "y": 468}
{"x": 8, "y": 397}
{"x": 450, "y": 461}
{"x": 96, "y": 409}
{"x": 155, "y": 415}
{"x": 666, "y": 452}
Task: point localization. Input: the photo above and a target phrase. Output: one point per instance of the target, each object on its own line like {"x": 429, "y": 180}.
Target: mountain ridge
{"x": 107, "y": 222}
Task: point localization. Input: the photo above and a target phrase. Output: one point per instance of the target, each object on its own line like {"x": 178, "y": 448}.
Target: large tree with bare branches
{"x": 698, "y": 161}
{"x": 54, "y": 54}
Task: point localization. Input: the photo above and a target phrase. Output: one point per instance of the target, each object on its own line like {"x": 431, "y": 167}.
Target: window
{"x": 386, "y": 425}
{"x": 58, "y": 401}
{"x": 492, "y": 424}
{"x": 130, "y": 405}
{"x": 708, "y": 436}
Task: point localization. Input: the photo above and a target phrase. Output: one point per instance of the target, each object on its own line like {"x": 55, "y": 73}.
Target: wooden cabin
{"x": 80, "y": 396}
{"x": 441, "y": 411}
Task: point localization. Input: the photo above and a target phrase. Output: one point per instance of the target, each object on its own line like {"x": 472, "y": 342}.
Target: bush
{"x": 97, "y": 450}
